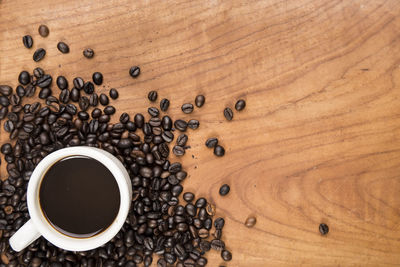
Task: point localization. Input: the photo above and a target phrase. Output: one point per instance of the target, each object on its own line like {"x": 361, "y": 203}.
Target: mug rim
{"x": 47, "y": 230}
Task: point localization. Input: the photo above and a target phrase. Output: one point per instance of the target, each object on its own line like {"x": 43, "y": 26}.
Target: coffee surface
{"x": 79, "y": 196}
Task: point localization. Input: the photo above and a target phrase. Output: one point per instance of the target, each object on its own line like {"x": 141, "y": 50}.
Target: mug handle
{"x": 24, "y": 236}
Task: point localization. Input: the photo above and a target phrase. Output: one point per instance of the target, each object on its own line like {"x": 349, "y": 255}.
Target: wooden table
{"x": 318, "y": 140}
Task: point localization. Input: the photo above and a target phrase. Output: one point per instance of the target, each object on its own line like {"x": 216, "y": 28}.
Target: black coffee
{"x": 79, "y": 196}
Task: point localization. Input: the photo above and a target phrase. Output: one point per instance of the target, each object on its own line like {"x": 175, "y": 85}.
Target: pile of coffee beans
{"x": 179, "y": 233}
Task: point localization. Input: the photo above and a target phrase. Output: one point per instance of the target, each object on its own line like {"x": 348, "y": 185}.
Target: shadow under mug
{"x": 39, "y": 226}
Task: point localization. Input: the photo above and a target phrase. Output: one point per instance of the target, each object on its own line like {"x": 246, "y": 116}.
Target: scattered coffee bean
{"x": 240, "y": 105}
{"x": 217, "y": 244}
{"x": 154, "y": 112}
{"x": 219, "y": 151}
{"x": 323, "y": 229}
{"x": 134, "y": 71}
{"x": 39, "y": 54}
{"x": 188, "y": 196}
{"x": 199, "y": 101}
{"x": 88, "y": 88}
{"x": 228, "y": 113}
{"x": 43, "y": 30}
{"x": 164, "y": 104}
{"x": 178, "y": 151}
{"x": 5, "y": 90}
{"x": 78, "y": 83}
{"x": 27, "y": 41}
{"x": 97, "y": 78}
{"x": 187, "y": 108}
{"x": 193, "y": 124}
{"x": 152, "y": 96}
{"x": 63, "y": 47}
{"x": 62, "y": 83}
{"x": 182, "y": 140}
{"x": 211, "y": 142}
{"x": 181, "y": 125}
{"x": 250, "y": 221}
{"x": 109, "y": 110}
{"x": 104, "y": 99}
{"x": 113, "y": 93}
{"x": 94, "y": 100}
{"x": 226, "y": 255}
{"x": 88, "y": 53}
{"x": 224, "y": 190}
{"x": 24, "y": 78}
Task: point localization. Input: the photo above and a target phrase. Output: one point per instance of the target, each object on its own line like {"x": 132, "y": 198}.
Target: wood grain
{"x": 318, "y": 140}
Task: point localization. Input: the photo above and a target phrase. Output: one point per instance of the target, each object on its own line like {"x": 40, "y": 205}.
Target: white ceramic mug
{"x": 38, "y": 225}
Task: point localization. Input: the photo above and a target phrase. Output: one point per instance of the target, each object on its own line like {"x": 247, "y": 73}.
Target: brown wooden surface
{"x": 318, "y": 141}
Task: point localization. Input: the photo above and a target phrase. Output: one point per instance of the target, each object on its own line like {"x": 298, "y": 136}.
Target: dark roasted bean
{"x": 134, "y": 71}
{"x": 211, "y": 142}
{"x": 219, "y": 223}
{"x": 226, "y": 255}
{"x": 88, "y": 87}
{"x": 178, "y": 151}
{"x": 27, "y": 41}
{"x": 154, "y": 112}
{"x": 74, "y": 95}
{"x": 62, "y": 83}
{"x": 44, "y": 81}
{"x": 228, "y": 113}
{"x": 164, "y": 104}
{"x": 78, "y": 83}
{"x": 88, "y": 53}
{"x": 94, "y": 100}
{"x": 43, "y": 30}
{"x": 323, "y": 229}
{"x": 139, "y": 120}
{"x": 224, "y": 190}
{"x": 199, "y": 101}
{"x": 20, "y": 91}
{"x": 187, "y": 108}
{"x": 193, "y": 124}
{"x": 240, "y": 105}
{"x": 201, "y": 202}
{"x": 24, "y": 78}
{"x": 63, "y": 47}
{"x": 39, "y": 54}
{"x": 219, "y": 151}
{"x": 109, "y": 110}
{"x": 97, "y": 78}
{"x": 181, "y": 125}
{"x": 44, "y": 93}
{"x": 188, "y": 196}
{"x": 152, "y": 96}
{"x": 5, "y": 90}
{"x": 217, "y": 244}
{"x": 113, "y": 93}
{"x": 104, "y": 99}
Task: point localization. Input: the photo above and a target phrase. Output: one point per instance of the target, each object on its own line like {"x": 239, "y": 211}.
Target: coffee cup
{"x": 44, "y": 193}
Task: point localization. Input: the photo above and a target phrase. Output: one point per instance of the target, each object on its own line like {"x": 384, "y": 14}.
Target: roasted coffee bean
{"x": 62, "y": 83}
{"x": 88, "y": 88}
{"x": 187, "y": 108}
{"x": 139, "y": 120}
{"x": 323, "y": 229}
{"x": 219, "y": 223}
{"x": 154, "y": 112}
{"x": 217, "y": 244}
{"x": 24, "y": 78}
{"x": 94, "y": 100}
{"x": 44, "y": 93}
{"x": 5, "y": 90}
{"x": 20, "y": 91}
{"x": 166, "y": 123}
{"x": 96, "y": 113}
{"x": 211, "y": 142}
{"x": 84, "y": 103}
{"x": 240, "y": 105}
{"x": 228, "y": 113}
{"x": 109, "y": 110}
{"x": 134, "y": 71}
{"x": 97, "y": 78}
{"x": 199, "y": 101}
{"x": 30, "y": 90}
{"x": 88, "y": 53}
{"x": 188, "y": 196}
{"x": 39, "y": 54}
{"x": 104, "y": 99}
{"x": 15, "y": 100}
{"x": 43, "y": 30}
{"x": 78, "y": 83}
{"x": 113, "y": 93}
{"x": 152, "y": 96}
{"x": 124, "y": 118}
{"x": 63, "y": 47}
{"x": 3, "y": 112}
{"x": 201, "y": 202}
{"x": 224, "y": 190}
{"x": 182, "y": 140}
{"x": 164, "y": 104}
{"x": 219, "y": 151}
{"x": 161, "y": 262}
{"x": 226, "y": 255}
{"x": 218, "y": 234}
{"x": 44, "y": 81}
{"x": 38, "y": 72}
{"x": 8, "y": 126}
{"x": 64, "y": 96}
{"x": 181, "y": 125}
{"x": 193, "y": 124}
{"x": 27, "y": 41}
{"x": 251, "y": 221}
{"x": 178, "y": 151}
{"x": 167, "y": 136}
{"x": 210, "y": 209}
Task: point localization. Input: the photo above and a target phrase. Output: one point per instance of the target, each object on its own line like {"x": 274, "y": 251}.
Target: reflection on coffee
{"x": 79, "y": 196}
